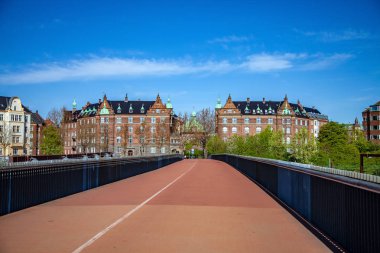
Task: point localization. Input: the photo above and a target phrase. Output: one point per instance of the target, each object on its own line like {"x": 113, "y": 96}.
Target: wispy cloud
{"x": 320, "y": 62}
{"x": 112, "y": 67}
{"x": 229, "y": 39}
{"x": 328, "y": 36}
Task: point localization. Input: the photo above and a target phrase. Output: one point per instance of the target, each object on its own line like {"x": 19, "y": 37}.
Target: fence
{"x": 343, "y": 212}
{"x": 22, "y": 187}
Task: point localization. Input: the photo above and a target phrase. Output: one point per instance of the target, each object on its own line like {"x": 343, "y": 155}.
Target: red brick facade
{"x": 371, "y": 123}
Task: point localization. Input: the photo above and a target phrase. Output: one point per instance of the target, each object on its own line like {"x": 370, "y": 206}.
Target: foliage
{"x": 215, "y": 145}
{"x": 51, "y": 143}
{"x": 334, "y": 147}
{"x": 303, "y": 148}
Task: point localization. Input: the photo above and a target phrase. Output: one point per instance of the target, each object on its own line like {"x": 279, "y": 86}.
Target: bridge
{"x": 229, "y": 204}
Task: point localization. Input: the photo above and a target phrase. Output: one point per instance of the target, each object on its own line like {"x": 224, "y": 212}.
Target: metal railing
{"x": 26, "y": 186}
{"x": 343, "y": 212}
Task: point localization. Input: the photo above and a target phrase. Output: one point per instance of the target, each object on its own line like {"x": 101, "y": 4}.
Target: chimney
{"x": 263, "y": 100}
{"x": 100, "y": 101}
{"x": 37, "y": 111}
{"x": 248, "y": 100}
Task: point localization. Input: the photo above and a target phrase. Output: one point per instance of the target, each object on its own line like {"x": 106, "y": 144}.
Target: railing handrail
{"x": 33, "y": 164}
{"x": 352, "y": 178}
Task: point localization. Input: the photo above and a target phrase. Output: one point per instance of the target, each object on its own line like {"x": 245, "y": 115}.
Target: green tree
{"x": 334, "y": 146}
{"x": 51, "y": 143}
{"x": 215, "y": 145}
{"x": 303, "y": 148}
{"x": 236, "y": 145}
{"x": 278, "y": 148}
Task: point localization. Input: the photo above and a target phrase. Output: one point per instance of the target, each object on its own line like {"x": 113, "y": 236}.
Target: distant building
{"x": 36, "y": 127}
{"x": 124, "y": 127}
{"x": 371, "y": 123}
{"x": 15, "y": 127}
{"x": 354, "y": 129}
{"x": 252, "y": 117}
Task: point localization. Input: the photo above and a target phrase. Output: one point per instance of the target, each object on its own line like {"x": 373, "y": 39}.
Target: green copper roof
{"x": 218, "y": 104}
{"x": 104, "y": 110}
{"x": 169, "y": 104}
{"x": 74, "y": 104}
{"x": 193, "y": 114}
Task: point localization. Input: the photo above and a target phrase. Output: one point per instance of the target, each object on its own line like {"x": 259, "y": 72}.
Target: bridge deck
{"x": 189, "y": 206}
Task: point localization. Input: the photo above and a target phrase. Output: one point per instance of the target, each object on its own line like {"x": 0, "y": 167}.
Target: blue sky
{"x": 325, "y": 53}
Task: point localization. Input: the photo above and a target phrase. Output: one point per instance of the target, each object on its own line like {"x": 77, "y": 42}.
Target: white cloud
{"x": 327, "y": 36}
{"x": 323, "y": 62}
{"x": 229, "y": 39}
{"x": 107, "y": 67}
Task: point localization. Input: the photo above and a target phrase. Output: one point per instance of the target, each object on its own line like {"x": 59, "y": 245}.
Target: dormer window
{"x": 142, "y": 110}
{"x": 119, "y": 109}
{"x": 130, "y": 108}
{"x": 247, "y": 110}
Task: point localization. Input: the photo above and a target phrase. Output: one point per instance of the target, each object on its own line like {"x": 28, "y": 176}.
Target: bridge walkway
{"x": 189, "y": 206}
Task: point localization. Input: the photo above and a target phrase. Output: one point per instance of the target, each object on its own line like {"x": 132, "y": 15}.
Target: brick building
{"x": 122, "y": 127}
{"x": 371, "y": 123}
{"x": 252, "y": 117}
{"x": 36, "y": 126}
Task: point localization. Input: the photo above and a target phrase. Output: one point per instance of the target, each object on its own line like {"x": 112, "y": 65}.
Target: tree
{"x": 206, "y": 118}
{"x": 51, "y": 141}
{"x": 5, "y": 137}
{"x": 142, "y": 134}
{"x": 162, "y": 135}
{"x": 334, "y": 147}
{"x": 215, "y": 145}
{"x": 303, "y": 147}
{"x": 56, "y": 115}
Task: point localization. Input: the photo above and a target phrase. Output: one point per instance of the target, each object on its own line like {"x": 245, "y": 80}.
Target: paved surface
{"x": 189, "y": 206}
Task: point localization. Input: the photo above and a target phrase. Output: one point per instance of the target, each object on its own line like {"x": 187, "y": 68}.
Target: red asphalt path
{"x": 189, "y": 206}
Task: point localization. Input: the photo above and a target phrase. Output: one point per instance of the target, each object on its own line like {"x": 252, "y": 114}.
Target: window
{"x": 130, "y": 129}
{"x": 130, "y": 139}
{"x": 26, "y": 118}
{"x": 225, "y": 130}
{"x": 118, "y": 139}
{"x": 1, "y": 129}
{"x": 270, "y": 121}
{"x": 162, "y": 119}
{"x": 130, "y": 120}
{"x": 142, "y": 119}
{"x": 287, "y": 140}
{"x": 163, "y": 150}
{"x": 246, "y": 120}
{"x": 246, "y": 130}
{"x": 374, "y": 117}
{"x": 118, "y": 129}
{"x": 258, "y": 120}
{"x": 1, "y": 117}
{"x": 234, "y": 120}
{"x": 288, "y": 130}
{"x": 118, "y": 120}
{"x": 224, "y": 120}
{"x": 153, "y": 150}
{"x": 152, "y": 130}
{"x": 157, "y": 110}
{"x": 234, "y": 130}
{"x": 258, "y": 130}
{"x": 296, "y": 122}
{"x": 153, "y": 120}
{"x": 15, "y": 151}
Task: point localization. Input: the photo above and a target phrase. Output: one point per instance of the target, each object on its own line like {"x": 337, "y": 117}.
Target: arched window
{"x": 287, "y": 140}
{"x": 246, "y": 130}
{"x": 225, "y": 130}
{"x": 130, "y": 152}
{"x": 234, "y": 130}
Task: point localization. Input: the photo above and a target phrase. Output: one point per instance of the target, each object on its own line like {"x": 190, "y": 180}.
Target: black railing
{"x": 22, "y": 187}
{"x": 343, "y": 212}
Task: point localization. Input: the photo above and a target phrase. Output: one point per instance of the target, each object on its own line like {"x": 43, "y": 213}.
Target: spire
{"x": 218, "y": 104}
{"x": 286, "y": 97}
{"x": 169, "y": 104}
{"x": 356, "y": 121}
{"x": 74, "y": 105}
{"x": 126, "y": 98}
{"x": 229, "y": 99}
{"x": 158, "y": 99}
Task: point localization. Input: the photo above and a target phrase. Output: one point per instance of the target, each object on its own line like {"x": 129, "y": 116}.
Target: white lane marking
{"x": 121, "y": 219}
